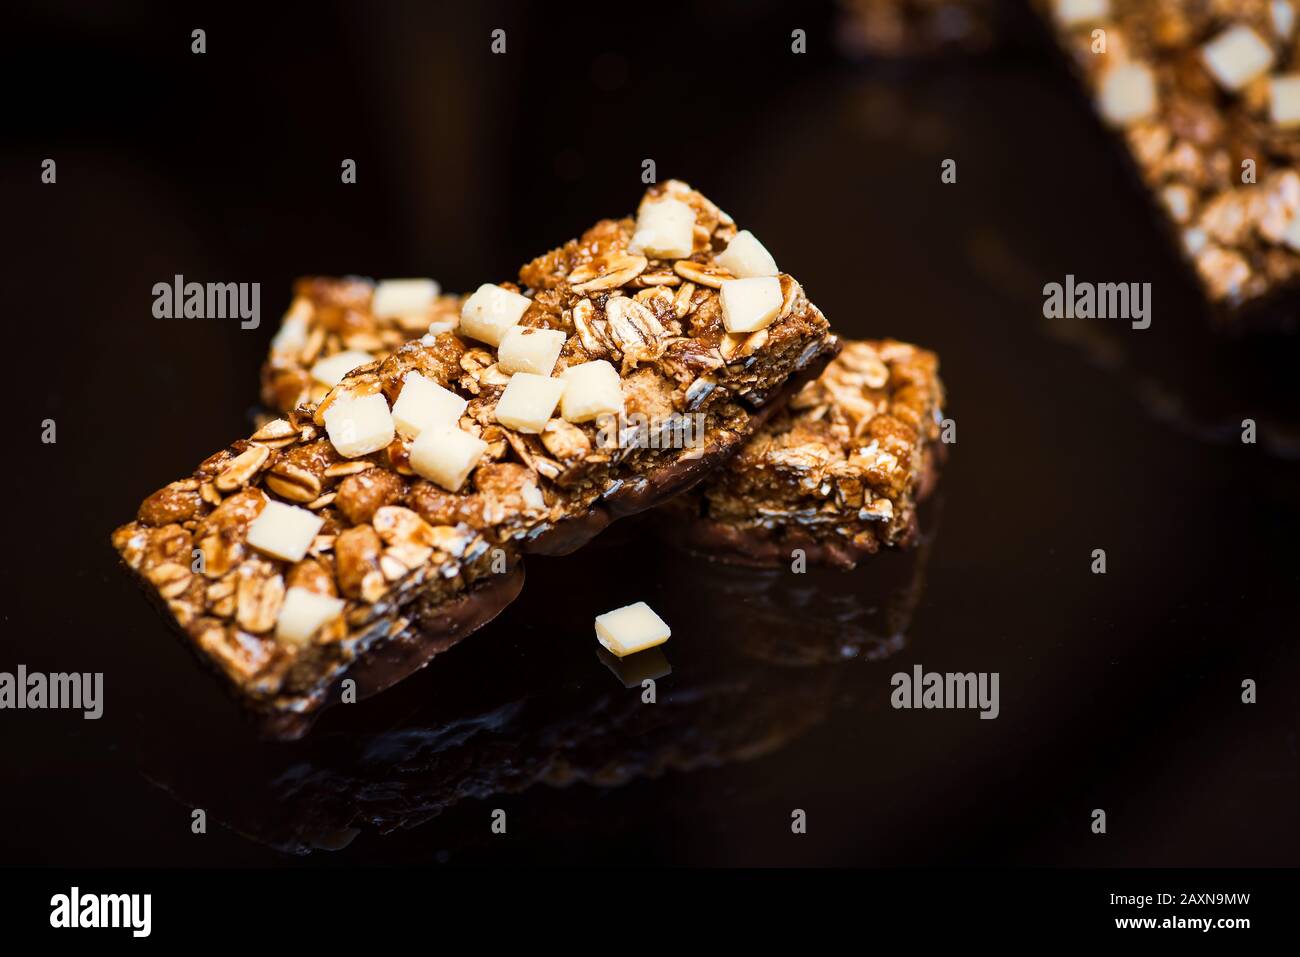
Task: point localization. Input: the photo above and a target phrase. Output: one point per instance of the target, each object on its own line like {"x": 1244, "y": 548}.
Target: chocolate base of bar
{"x": 762, "y": 547}
{"x": 434, "y": 630}
{"x": 666, "y": 483}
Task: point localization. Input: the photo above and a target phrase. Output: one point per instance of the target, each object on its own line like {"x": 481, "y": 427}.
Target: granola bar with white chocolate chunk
{"x": 289, "y": 566}
{"x": 430, "y": 471}
{"x": 335, "y": 325}
{"x": 1197, "y": 88}
{"x": 837, "y": 474}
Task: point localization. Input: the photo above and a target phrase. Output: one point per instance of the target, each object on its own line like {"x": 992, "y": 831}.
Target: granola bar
{"x": 300, "y": 556}
{"x": 838, "y": 474}
{"x": 1206, "y": 94}
{"x": 707, "y": 536}
{"x": 332, "y": 322}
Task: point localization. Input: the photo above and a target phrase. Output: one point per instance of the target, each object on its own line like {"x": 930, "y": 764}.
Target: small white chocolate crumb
{"x": 632, "y": 628}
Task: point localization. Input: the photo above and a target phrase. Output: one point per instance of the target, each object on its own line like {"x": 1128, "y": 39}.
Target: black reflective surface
{"x": 1118, "y": 691}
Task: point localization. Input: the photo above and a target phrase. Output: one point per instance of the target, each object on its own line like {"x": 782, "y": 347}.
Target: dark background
{"x": 1119, "y": 691}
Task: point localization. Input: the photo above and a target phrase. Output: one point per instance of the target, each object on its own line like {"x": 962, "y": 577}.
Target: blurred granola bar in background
{"x": 344, "y": 322}
{"x": 1206, "y": 95}
{"x": 917, "y": 28}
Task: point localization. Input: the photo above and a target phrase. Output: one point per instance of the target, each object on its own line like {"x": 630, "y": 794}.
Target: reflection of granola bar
{"x": 318, "y": 533}
{"x": 1198, "y": 87}
{"x": 763, "y": 661}
{"x": 821, "y": 616}
{"x": 541, "y": 731}
{"x": 838, "y": 474}
{"x": 759, "y": 664}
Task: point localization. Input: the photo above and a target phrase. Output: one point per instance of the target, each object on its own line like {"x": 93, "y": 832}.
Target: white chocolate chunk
{"x": 524, "y": 349}
{"x": 591, "y": 390}
{"x": 1127, "y": 93}
{"x": 291, "y": 336}
{"x": 403, "y": 297}
{"x": 284, "y": 531}
{"x": 1236, "y": 56}
{"x": 665, "y": 229}
{"x": 331, "y": 370}
{"x": 492, "y": 310}
{"x": 750, "y": 304}
{"x": 360, "y": 425}
{"x": 1074, "y": 13}
{"x": 304, "y": 613}
{"x": 632, "y": 628}
{"x": 1283, "y": 16}
{"x": 446, "y": 456}
{"x": 1178, "y": 201}
{"x": 1292, "y": 235}
{"x": 746, "y": 257}
{"x": 423, "y": 404}
{"x": 528, "y": 402}
{"x": 1284, "y": 99}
